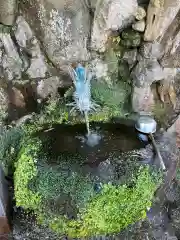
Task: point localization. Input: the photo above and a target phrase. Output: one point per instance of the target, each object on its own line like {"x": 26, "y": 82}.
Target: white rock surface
{"x": 111, "y": 15}
{"x": 139, "y": 26}
{"x": 11, "y": 62}
{"x": 141, "y": 13}
{"x": 142, "y": 99}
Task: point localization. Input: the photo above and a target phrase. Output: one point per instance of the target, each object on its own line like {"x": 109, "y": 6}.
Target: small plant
{"x": 110, "y": 97}
{"x": 10, "y": 141}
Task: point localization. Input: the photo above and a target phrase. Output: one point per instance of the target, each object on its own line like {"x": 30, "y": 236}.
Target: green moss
{"x": 123, "y": 71}
{"x": 112, "y": 60}
{"x": 107, "y": 212}
{"x": 130, "y": 38}
{"x": 112, "y": 210}
{"x": 54, "y": 112}
{"x": 115, "y": 44}
{"x": 25, "y": 171}
{"x": 66, "y": 179}
{"x": 5, "y": 29}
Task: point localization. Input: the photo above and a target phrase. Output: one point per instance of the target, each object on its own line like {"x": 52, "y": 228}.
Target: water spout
{"x": 87, "y": 123}
{"x": 82, "y": 94}
{"x": 82, "y": 100}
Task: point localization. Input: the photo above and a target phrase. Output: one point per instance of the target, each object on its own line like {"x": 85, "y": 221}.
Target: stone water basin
{"x": 65, "y": 140}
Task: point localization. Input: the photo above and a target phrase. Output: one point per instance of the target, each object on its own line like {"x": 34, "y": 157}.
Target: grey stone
{"x": 99, "y": 69}
{"x": 63, "y": 27}
{"x": 23, "y": 32}
{"x": 175, "y": 218}
{"x": 142, "y": 100}
{"x": 146, "y": 72}
{"x": 11, "y": 62}
{"x": 139, "y": 26}
{"x": 37, "y": 68}
{"x": 93, "y": 3}
{"x": 23, "y": 120}
{"x": 7, "y": 11}
{"x": 151, "y": 50}
{"x": 159, "y": 17}
{"x": 171, "y": 45}
{"x": 130, "y": 57}
{"x": 48, "y": 87}
{"x": 111, "y": 15}
{"x": 141, "y": 13}
{"x": 172, "y": 193}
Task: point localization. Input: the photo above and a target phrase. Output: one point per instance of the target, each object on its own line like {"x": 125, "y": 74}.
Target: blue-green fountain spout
{"x": 82, "y": 97}
{"x": 82, "y": 94}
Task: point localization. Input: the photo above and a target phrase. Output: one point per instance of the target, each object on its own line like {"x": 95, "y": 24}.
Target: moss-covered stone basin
{"x": 81, "y": 191}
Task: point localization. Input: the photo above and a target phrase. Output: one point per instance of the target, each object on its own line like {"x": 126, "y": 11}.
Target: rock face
{"x": 130, "y": 57}
{"x": 10, "y": 61}
{"x": 140, "y": 14}
{"x": 36, "y": 67}
{"x": 171, "y": 45}
{"x": 3, "y": 104}
{"x": 110, "y": 15}
{"x": 139, "y": 26}
{"x": 142, "y": 99}
{"x": 99, "y": 69}
{"x": 62, "y": 27}
{"x": 146, "y": 72}
{"x": 7, "y": 11}
{"x": 48, "y": 87}
{"x": 151, "y": 50}
{"x": 160, "y": 15}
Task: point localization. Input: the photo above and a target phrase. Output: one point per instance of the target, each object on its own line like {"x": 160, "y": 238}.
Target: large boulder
{"x": 111, "y": 15}
{"x": 48, "y": 87}
{"x": 151, "y": 50}
{"x": 171, "y": 45}
{"x": 10, "y": 59}
{"x": 142, "y": 99}
{"x": 160, "y": 15}
{"x": 7, "y": 11}
{"x": 62, "y": 27}
{"x": 146, "y": 72}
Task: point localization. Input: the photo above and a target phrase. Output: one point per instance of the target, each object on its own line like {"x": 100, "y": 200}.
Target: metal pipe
{"x": 157, "y": 151}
